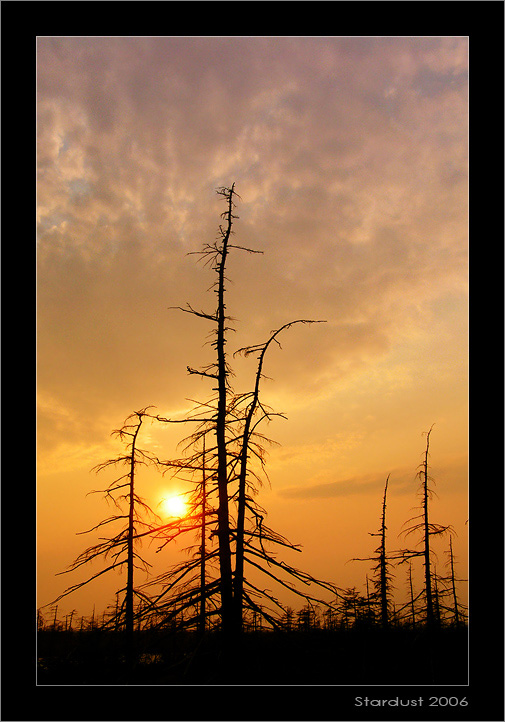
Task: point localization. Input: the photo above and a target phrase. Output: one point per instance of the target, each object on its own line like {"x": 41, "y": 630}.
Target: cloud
{"x": 447, "y": 476}
{"x": 370, "y": 483}
{"x": 350, "y": 155}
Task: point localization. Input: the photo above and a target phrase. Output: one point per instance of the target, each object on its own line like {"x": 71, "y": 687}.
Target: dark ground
{"x": 400, "y": 656}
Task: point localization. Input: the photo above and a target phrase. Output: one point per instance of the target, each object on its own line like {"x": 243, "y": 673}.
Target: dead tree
{"x": 456, "y": 610}
{"x": 140, "y": 522}
{"x": 244, "y": 501}
{"x": 412, "y": 601}
{"x": 201, "y": 623}
{"x": 427, "y": 529}
{"x": 216, "y": 255}
{"x": 382, "y": 578}
{"x": 228, "y": 426}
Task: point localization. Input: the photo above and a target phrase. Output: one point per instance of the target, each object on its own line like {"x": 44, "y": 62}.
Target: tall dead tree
{"x": 427, "y": 529}
{"x": 456, "y": 610}
{"x": 140, "y": 522}
{"x": 251, "y": 421}
{"x": 201, "y": 623}
{"x": 228, "y": 424}
{"x": 221, "y": 253}
{"x": 411, "y": 592}
{"x": 383, "y": 564}
{"x": 457, "y": 613}
{"x": 382, "y": 579}
{"x": 217, "y": 254}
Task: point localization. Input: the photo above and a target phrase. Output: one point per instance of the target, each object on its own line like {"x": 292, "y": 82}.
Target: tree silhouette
{"x": 225, "y": 455}
{"x": 412, "y": 600}
{"x": 245, "y": 501}
{"x": 456, "y": 610}
{"x": 382, "y": 578}
{"x": 216, "y": 255}
{"x": 203, "y": 529}
{"x": 139, "y": 517}
{"x": 352, "y": 608}
{"x": 427, "y": 529}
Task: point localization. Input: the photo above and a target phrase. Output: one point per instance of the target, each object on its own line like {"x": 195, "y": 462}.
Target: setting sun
{"x": 174, "y": 505}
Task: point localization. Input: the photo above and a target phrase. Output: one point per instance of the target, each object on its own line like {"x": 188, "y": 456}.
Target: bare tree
{"x": 427, "y": 529}
{"x": 201, "y": 622}
{"x": 227, "y": 451}
{"x": 245, "y": 500}
{"x": 456, "y": 610}
{"x": 382, "y": 578}
{"x": 412, "y": 600}
{"x": 216, "y": 255}
{"x": 139, "y": 517}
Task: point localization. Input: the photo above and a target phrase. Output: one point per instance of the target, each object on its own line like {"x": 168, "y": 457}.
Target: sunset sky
{"x": 350, "y": 156}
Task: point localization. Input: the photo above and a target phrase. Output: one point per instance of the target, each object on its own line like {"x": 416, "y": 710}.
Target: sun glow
{"x": 174, "y": 505}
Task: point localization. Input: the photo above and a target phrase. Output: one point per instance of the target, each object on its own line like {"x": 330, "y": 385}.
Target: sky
{"x": 350, "y": 157}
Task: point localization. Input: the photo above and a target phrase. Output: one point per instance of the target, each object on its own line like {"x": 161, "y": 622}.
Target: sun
{"x": 174, "y": 505}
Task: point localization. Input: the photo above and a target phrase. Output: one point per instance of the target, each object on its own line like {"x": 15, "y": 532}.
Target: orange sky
{"x": 350, "y": 156}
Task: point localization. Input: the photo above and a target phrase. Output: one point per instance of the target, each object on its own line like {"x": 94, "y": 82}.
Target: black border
{"x": 22, "y": 22}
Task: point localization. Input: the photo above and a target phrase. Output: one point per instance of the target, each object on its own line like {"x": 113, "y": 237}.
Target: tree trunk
{"x": 430, "y": 616}
{"x": 222, "y": 472}
{"x": 383, "y": 564}
{"x": 201, "y": 622}
{"x": 453, "y": 583}
{"x": 412, "y": 597}
{"x": 131, "y": 534}
{"x": 238, "y": 587}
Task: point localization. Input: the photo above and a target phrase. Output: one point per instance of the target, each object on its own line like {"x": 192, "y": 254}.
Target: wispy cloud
{"x": 448, "y": 478}
{"x": 350, "y": 155}
{"x": 352, "y": 486}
